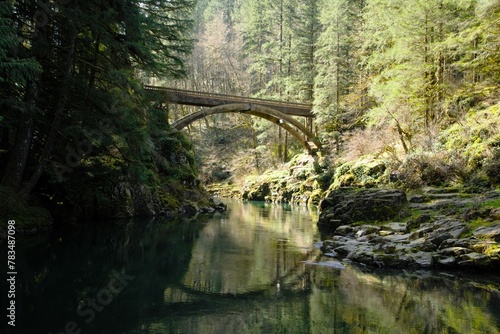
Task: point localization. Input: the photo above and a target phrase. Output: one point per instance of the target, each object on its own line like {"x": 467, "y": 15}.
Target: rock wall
{"x": 298, "y": 182}
{"x": 348, "y": 205}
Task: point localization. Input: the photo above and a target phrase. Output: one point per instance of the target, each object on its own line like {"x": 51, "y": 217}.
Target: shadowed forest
{"x": 404, "y": 93}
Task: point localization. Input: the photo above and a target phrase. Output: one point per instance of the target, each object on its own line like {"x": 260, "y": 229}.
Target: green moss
{"x": 494, "y": 203}
{"x": 474, "y": 225}
{"x": 30, "y": 217}
{"x": 170, "y": 201}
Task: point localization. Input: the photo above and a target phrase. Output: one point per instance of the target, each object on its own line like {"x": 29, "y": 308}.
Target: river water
{"x": 253, "y": 269}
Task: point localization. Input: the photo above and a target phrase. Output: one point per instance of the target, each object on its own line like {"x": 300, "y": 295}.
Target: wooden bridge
{"x": 278, "y": 112}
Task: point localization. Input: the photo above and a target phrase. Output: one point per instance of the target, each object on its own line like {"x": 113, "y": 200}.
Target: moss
{"x": 494, "y": 203}
{"x": 474, "y": 225}
{"x": 30, "y": 217}
{"x": 315, "y": 197}
{"x": 169, "y": 201}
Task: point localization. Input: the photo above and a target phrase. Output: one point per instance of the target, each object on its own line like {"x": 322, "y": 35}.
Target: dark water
{"x": 250, "y": 270}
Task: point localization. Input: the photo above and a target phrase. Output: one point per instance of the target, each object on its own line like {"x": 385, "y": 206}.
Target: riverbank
{"x": 372, "y": 221}
{"x": 124, "y": 201}
{"x": 431, "y": 228}
{"x": 252, "y": 269}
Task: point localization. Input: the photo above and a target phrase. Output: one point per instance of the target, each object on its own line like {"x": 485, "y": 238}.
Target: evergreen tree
{"x": 306, "y": 30}
{"x": 337, "y": 61}
{"x": 406, "y": 55}
{"x": 91, "y": 54}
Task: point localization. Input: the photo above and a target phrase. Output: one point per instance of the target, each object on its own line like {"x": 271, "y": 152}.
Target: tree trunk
{"x": 18, "y": 154}
{"x": 61, "y": 106}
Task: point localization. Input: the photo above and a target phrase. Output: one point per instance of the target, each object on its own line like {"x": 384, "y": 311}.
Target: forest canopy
{"x": 413, "y": 84}
{"x": 75, "y": 121}
{"x": 397, "y": 80}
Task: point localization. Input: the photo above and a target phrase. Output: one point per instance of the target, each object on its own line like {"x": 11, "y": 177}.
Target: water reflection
{"x": 245, "y": 271}
{"x": 252, "y": 248}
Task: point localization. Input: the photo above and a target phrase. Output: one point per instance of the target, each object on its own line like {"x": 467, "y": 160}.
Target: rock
{"x": 347, "y": 248}
{"x": 259, "y": 193}
{"x": 423, "y": 231}
{"x": 336, "y": 241}
{"x": 434, "y": 241}
{"x": 189, "y": 210}
{"x": 437, "y": 239}
{"x": 472, "y": 214}
{"x": 398, "y": 238}
{"x": 422, "y": 259}
{"x": 462, "y": 243}
{"x": 452, "y": 226}
{"x": 465, "y": 243}
{"x": 344, "y": 230}
{"x": 416, "y": 222}
{"x": 447, "y": 261}
{"x": 365, "y": 230}
{"x": 370, "y": 238}
{"x": 474, "y": 259}
{"x": 422, "y": 245}
{"x": 455, "y": 251}
{"x": 395, "y": 227}
{"x": 349, "y": 205}
{"x": 495, "y": 214}
{"x": 417, "y": 199}
{"x": 390, "y": 260}
{"x": 207, "y": 210}
{"x": 488, "y": 232}
{"x": 362, "y": 254}
{"x": 220, "y": 206}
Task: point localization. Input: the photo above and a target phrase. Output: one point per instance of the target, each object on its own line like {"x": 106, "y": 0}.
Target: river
{"x": 252, "y": 269}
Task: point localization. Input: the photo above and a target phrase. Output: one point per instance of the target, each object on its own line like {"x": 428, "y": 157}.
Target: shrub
{"x": 478, "y": 182}
{"x": 492, "y": 167}
{"x": 425, "y": 169}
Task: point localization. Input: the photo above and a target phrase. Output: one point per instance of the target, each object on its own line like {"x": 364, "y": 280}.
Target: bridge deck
{"x": 194, "y": 98}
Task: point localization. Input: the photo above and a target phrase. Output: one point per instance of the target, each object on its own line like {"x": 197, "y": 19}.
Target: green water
{"x": 250, "y": 270}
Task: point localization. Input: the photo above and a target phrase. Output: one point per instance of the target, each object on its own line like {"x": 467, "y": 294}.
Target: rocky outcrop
{"x": 434, "y": 244}
{"x": 428, "y": 240}
{"x": 348, "y": 205}
{"x": 136, "y": 200}
{"x": 298, "y": 183}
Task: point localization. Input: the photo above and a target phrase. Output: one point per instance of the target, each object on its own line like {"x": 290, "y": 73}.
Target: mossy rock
{"x": 348, "y": 205}
{"x": 29, "y": 219}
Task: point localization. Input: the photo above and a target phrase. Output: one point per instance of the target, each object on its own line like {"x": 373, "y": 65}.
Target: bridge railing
{"x": 229, "y": 98}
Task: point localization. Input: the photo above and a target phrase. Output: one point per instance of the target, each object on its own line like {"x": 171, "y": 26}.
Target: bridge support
{"x": 294, "y": 127}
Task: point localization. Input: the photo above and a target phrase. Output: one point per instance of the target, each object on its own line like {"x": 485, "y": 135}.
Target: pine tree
{"x": 91, "y": 54}
{"x": 337, "y": 61}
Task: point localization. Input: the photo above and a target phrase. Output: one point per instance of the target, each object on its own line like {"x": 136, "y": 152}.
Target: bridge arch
{"x": 294, "y": 127}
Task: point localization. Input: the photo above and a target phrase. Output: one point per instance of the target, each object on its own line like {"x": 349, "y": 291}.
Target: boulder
{"x": 344, "y": 230}
{"x": 422, "y": 259}
{"x": 345, "y": 206}
{"x": 395, "y": 227}
{"x": 488, "y": 232}
{"x": 474, "y": 259}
